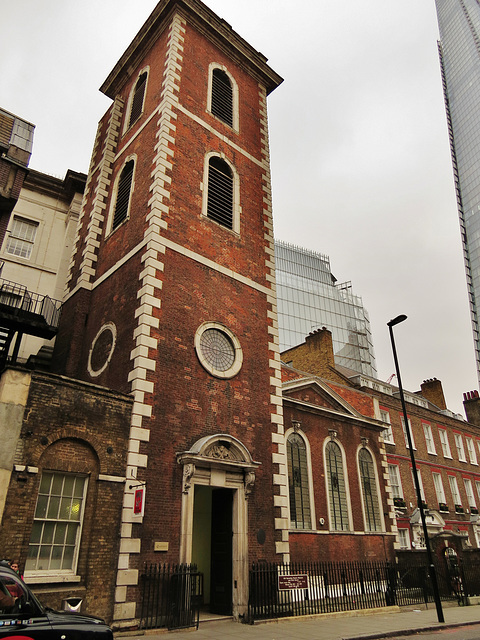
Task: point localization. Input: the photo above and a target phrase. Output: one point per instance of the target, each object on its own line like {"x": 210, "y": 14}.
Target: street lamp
{"x": 433, "y": 573}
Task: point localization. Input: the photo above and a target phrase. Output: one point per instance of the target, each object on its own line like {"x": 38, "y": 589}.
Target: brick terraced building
{"x": 63, "y": 456}
{"x": 447, "y": 452}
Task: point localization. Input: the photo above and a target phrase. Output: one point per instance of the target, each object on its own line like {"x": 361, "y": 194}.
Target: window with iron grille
{"x": 220, "y": 192}
{"x": 123, "y": 194}
{"x": 222, "y": 97}
{"x": 55, "y": 535}
{"x": 369, "y": 490}
{"x": 21, "y": 238}
{"x": 337, "y": 492}
{"x": 137, "y": 101}
{"x": 300, "y": 515}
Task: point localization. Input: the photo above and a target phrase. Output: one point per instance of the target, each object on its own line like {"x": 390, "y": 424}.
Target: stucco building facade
{"x": 37, "y": 246}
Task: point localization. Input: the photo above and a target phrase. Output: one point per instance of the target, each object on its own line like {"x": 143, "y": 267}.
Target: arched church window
{"x": 122, "y": 202}
{"x": 220, "y": 199}
{"x": 369, "y": 491}
{"x": 337, "y": 492}
{"x": 222, "y": 97}
{"x": 137, "y": 101}
{"x": 300, "y": 513}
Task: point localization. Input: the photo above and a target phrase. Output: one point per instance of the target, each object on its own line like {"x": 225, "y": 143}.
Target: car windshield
{"x": 13, "y": 591}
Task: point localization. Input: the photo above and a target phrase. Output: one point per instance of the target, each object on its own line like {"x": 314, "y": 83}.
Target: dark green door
{"x": 221, "y": 568}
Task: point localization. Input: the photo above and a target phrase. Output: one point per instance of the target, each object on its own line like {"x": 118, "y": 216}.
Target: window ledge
{"x": 48, "y": 578}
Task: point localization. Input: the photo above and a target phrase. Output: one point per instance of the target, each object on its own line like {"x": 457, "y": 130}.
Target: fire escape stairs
{"x": 6, "y": 337}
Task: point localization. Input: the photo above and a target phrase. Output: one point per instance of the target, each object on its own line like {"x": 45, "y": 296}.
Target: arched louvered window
{"x": 137, "y": 101}
{"x": 337, "y": 492}
{"x": 369, "y": 490}
{"x": 123, "y": 194}
{"x": 300, "y": 516}
{"x": 222, "y": 97}
{"x": 220, "y": 192}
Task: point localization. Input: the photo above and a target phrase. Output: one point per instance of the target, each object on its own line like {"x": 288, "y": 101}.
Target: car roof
{"x": 5, "y": 566}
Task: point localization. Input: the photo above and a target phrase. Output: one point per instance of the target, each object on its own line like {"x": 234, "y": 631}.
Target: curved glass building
{"x": 309, "y": 297}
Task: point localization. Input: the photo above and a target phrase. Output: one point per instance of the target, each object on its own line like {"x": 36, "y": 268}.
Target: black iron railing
{"x": 296, "y": 589}
{"x": 322, "y": 587}
{"x": 171, "y": 596}
{"x": 24, "y": 305}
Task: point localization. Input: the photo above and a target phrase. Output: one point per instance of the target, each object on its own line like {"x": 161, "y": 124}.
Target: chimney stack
{"x": 432, "y": 390}
{"x": 320, "y": 341}
{"x": 315, "y": 355}
{"x": 471, "y": 403}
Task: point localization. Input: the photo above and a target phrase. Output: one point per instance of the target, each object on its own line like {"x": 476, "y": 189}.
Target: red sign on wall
{"x": 139, "y": 502}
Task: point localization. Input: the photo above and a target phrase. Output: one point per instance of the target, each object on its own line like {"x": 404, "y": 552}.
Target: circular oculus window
{"x": 218, "y": 350}
{"x": 102, "y": 349}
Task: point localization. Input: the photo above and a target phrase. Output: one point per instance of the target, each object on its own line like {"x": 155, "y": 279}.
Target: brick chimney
{"x": 432, "y": 390}
{"x": 315, "y": 355}
{"x": 320, "y": 341}
{"x": 471, "y": 403}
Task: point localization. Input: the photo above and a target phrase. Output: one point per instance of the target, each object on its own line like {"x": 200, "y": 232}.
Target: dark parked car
{"x": 23, "y": 617}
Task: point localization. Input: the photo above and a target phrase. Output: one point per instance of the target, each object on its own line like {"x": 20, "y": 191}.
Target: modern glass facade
{"x": 309, "y": 298}
{"x": 459, "y": 46}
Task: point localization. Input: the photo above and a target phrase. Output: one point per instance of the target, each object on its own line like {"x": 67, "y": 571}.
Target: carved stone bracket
{"x": 249, "y": 480}
{"x": 188, "y": 472}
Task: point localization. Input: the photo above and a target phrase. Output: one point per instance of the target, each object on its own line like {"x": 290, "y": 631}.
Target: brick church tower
{"x": 171, "y": 297}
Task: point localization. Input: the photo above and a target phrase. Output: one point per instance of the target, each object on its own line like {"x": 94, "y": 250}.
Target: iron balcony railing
{"x": 26, "y": 311}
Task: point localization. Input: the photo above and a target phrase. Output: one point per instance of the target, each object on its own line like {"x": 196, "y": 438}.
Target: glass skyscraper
{"x": 459, "y": 46}
{"x": 309, "y": 298}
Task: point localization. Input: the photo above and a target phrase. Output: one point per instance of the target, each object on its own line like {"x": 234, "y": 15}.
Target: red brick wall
{"x": 187, "y": 403}
{"x": 363, "y": 402}
{"x": 190, "y": 403}
{"x": 198, "y": 54}
{"x": 73, "y": 428}
{"x": 427, "y": 463}
{"x": 341, "y": 547}
{"x": 338, "y": 546}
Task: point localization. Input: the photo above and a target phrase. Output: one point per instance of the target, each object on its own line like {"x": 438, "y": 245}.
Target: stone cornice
{"x": 209, "y": 24}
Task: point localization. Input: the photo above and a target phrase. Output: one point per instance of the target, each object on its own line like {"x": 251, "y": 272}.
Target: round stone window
{"x": 218, "y": 350}
{"x": 102, "y": 349}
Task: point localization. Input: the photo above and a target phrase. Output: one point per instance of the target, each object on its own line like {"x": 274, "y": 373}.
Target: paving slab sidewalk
{"x": 361, "y": 625}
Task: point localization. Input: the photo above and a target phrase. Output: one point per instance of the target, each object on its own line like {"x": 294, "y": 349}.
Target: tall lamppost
{"x": 433, "y": 574}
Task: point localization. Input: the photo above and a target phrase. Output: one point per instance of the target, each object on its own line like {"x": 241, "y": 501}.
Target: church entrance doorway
{"x": 218, "y": 476}
{"x": 212, "y": 546}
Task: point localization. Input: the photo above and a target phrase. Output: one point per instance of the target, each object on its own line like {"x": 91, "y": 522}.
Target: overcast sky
{"x": 360, "y": 159}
